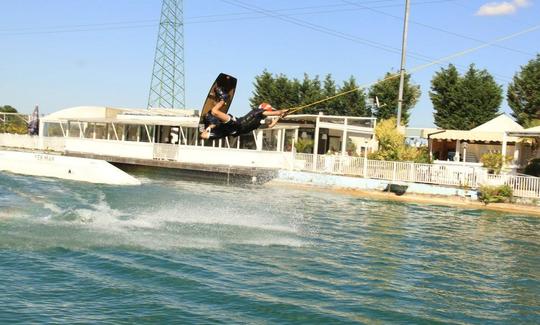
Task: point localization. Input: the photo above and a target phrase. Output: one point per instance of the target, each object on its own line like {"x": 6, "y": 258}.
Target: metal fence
{"x": 396, "y": 171}
{"x": 522, "y": 186}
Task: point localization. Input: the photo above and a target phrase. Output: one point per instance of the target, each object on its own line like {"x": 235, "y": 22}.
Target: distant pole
{"x": 402, "y": 70}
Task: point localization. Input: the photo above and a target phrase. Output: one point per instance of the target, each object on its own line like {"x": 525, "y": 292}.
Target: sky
{"x": 65, "y": 53}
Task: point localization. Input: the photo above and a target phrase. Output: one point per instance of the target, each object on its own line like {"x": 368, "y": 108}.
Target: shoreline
{"x": 451, "y": 201}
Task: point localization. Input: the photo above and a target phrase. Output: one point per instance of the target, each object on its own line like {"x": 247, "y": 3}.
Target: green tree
{"x": 278, "y": 90}
{"x": 444, "y": 96}
{"x": 7, "y": 109}
{"x": 310, "y": 91}
{"x": 353, "y": 103}
{"x": 283, "y": 92}
{"x": 12, "y": 123}
{"x": 523, "y": 94}
{"x": 464, "y": 102}
{"x": 330, "y": 89}
{"x": 387, "y": 90}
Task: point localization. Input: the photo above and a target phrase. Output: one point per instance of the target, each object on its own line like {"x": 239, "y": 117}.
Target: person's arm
{"x": 273, "y": 123}
{"x": 280, "y": 112}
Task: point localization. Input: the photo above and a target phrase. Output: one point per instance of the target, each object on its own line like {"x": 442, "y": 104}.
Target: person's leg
{"x": 216, "y": 111}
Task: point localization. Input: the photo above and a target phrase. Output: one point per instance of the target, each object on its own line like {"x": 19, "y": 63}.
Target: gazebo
{"x": 528, "y": 150}
{"x": 468, "y": 146}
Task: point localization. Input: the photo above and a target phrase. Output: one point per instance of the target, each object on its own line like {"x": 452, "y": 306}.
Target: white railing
{"x": 33, "y": 142}
{"x": 441, "y": 174}
{"x": 522, "y": 186}
{"x": 464, "y": 176}
{"x": 396, "y": 171}
{"x": 22, "y": 141}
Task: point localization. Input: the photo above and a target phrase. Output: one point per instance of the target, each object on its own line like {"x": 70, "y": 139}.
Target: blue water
{"x": 189, "y": 251}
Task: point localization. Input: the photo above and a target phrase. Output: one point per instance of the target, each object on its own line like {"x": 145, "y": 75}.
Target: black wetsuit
{"x": 238, "y": 126}
{"x": 251, "y": 121}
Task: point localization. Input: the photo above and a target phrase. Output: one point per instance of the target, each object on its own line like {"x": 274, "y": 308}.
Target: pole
{"x": 402, "y": 70}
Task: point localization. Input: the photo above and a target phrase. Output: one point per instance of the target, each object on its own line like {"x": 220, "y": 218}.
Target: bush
{"x": 533, "y": 167}
{"x": 304, "y": 145}
{"x": 392, "y": 145}
{"x": 494, "y": 161}
{"x": 495, "y": 194}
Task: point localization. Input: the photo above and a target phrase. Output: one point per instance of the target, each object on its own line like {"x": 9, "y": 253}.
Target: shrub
{"x": 494, "y": 161}
{"x": 494, "y": 194}
{"x": 533, "y": 167}
{"x": 304, "y": 145}
{"x": 392, "y": 145}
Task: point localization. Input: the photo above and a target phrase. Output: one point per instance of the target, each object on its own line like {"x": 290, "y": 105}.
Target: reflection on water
{"x": 193, "y": 251}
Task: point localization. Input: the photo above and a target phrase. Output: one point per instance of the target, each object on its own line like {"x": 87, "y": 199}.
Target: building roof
{"x": 491, "y": 131}
{"x": 502, "y": 122}
{"x": 475, "y": 136}
{"x": 533, "y": 129}
{"x": 124, "y": 115}
{"x": 530, "y": 132}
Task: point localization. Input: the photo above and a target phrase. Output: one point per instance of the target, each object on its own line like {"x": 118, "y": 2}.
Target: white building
{"x": 171, "y": 134}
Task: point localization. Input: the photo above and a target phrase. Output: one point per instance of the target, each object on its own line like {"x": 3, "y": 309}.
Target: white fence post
{"x": 365, "y": 163}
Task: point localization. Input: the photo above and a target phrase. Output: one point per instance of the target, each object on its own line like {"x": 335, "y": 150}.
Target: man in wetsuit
{"x": 221, "y": 125}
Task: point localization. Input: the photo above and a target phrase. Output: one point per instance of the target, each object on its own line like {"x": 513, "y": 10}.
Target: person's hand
{"x": 284, "y": 113}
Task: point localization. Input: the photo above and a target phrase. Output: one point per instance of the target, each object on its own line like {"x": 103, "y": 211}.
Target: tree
{"x": 330, "y": 89}
{"x": 353, "y": 103}
{"x": 279, "y": 90}
{"x": 7, "y": 109}
{"x": 310, "y": 91}
{"x": 11, "y": 123}
{"x": 387, "y": 90}
{"x": 523, "y": 94}
{"x": 444, "y": 96}
{"x": 464, "y": 102}
{"x": 282, "y": 92}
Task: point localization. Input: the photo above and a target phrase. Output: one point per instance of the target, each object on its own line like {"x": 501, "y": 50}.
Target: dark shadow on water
{"x": 160, "y": 173}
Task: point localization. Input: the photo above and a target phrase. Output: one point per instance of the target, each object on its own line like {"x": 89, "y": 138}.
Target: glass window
{"x": 144, "y": 134}
{"x": 270, "y": 140}
{"x": 101, "y": 130}
{"x": 53, "y": 129}
{"x": 132, "y": 132}
{"x": 88, "y": 130}
{"x": 74, "y": 130}
{"x": 289, "y": 138}
{"x": 119, "y": 131}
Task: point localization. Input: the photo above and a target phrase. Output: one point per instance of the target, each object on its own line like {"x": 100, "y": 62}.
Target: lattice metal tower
{"x": 167, "y": 88}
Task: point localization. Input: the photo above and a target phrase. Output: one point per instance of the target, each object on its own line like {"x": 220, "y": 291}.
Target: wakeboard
{"x": 227, "y": 84}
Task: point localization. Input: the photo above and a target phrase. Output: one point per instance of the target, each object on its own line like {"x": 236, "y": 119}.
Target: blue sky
{"x": 64, "y": 53}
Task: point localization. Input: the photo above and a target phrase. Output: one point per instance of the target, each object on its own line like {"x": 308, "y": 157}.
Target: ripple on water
{"x": 183, "y": 251}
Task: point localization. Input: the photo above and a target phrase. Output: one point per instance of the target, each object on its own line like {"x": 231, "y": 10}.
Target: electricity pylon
{"x": 167, "y": 88}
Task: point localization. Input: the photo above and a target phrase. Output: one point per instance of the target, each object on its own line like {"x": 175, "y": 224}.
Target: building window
{"x": 144, "y": 135}
{"x": 132, "y": 132}
{"x": 74, "y": 130}
{"x": 88, "y": 130}
{"x": 53, "y": 130}
{"x": 101, "y": 130}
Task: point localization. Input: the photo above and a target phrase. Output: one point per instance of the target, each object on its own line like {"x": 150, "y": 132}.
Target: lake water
{"x": 192, "y": 251}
